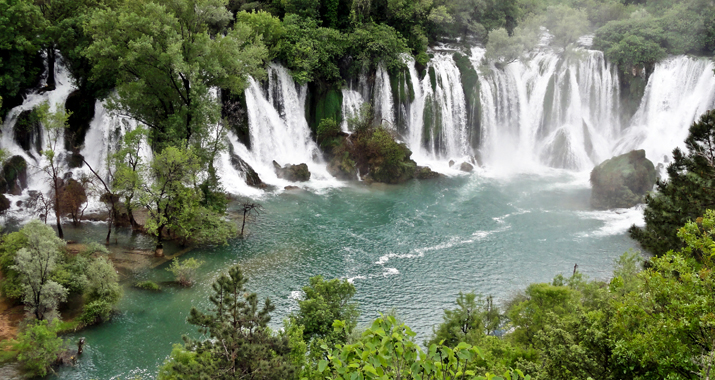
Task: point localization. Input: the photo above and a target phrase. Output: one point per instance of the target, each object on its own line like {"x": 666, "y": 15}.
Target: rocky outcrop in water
{"x": 622, "y": 181}
{"x": 293, "y": 173}
{"x": 14, "y": 176}
{"x": 423, "y": 172}
{"x": 252, "y": 178}
{"x": 466, "y": 167}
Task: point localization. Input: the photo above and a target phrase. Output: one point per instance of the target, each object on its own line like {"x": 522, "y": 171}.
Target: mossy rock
{"x": 622, "y": 181}
{"x": 326, "y": 104}
{"x": 423, "y": 172}
{"x": 293, "y": 173}
{"x": 75, "y": 160}
{"x": 81, "y": 112}
{"x": 148, "y": 285}
{"x": 4, "y": 204}
{"x": 470, "y": 84}
{"x": 14, "y": 176}
{"x": 28, "y": 131}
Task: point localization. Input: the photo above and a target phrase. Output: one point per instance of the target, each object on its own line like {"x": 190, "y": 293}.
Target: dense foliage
{"x": 687, "y": 192}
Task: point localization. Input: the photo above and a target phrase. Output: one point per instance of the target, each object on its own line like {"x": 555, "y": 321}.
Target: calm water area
{"x": 411, "y": 248}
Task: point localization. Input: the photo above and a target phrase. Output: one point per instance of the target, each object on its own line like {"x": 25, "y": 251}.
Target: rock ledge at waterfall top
{"x": 622, "y": 181}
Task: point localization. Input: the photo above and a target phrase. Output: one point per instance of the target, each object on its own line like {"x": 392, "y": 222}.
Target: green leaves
{"x": 386, "y": 350}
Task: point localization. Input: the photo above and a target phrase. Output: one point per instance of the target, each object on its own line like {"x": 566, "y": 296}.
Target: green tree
{"x": 20, "y": 25}
{"x": 667, "y": 327}
{"x": 324, "y": 302}
{"x": 54, "y": 122}
{"x": 38, "y": 348}
{"x": 167, "y": 56}
{"x": 128, "y": 169}
{"x": 11, "y": 285}
{"x": 35, "y": 263}
{"x": 566, "y": 24}
{"x": 474, "y": 318}
{"x": 387, "y": 350}
{"x": 686, "y": 194}
{"x": 239, "y": 344}
{"x": 185, "y": 272}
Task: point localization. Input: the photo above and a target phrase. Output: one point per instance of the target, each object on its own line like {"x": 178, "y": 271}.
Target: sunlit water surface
{"x": 410, "y": 248}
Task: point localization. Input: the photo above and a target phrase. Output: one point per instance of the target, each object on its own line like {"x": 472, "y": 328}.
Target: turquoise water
{"x": 410, "y": 247}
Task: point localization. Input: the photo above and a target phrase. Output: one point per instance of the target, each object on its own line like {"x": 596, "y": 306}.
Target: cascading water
{"x": 438, "y": 115}
{"x": 555, "y": 111}
{"x": 278, "y": 131}
{"x": 678, "y": 92}
{"x": 382, "y": 97}
{"x": 352, "y": 102}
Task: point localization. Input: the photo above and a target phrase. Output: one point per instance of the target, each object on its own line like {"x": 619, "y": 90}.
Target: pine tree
{"x": 239, "y": 346}
{"x": 686, "y": 194}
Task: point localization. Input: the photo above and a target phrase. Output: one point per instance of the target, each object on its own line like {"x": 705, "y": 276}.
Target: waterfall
{"x": 56, "y": 98}
{"x": 278, "y": 131}
{"x": 383, "y": 102}
{"x": 555, "y": 111}
{"x": 437, "y": 122}
{"x": 352, "y": 101}
{"x": 679, "y": 90}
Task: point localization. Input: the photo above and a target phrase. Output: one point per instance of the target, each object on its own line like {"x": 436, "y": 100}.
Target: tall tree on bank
{"x": 167, "y": 56}
{"x": 54, "y": 123}
{"x": 688, "y": 192}
{"x": 239, "y": 346}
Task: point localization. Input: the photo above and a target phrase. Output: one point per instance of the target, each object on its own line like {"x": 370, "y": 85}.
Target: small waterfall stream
{"x": 678, "y": 92}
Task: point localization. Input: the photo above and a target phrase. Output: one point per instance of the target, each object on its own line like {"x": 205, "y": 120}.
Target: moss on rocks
{"x": 294, "y": 173}
{"x": 622, "y": 181}
{"x": 14, "y": 176}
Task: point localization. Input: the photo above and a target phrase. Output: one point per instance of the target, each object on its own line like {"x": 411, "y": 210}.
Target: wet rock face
{"x": 28, "y": 131}
{"x": 293, "y": 173}
{"x": 622, "y": 181}
{"x": 252, "y": 178}
{"x": 14, "y": 176}
{"x": 466, "y": 167}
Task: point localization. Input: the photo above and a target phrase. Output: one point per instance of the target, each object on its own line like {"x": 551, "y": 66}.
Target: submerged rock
{"x": 466, "y": 167}
{"x": 293, "y": 173}
{"x": 14, "y": 176}
{"x": 622, "y": 181}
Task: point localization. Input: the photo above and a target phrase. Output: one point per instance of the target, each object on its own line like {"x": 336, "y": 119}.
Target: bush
{"x": 185, "y": 271}
{"x": 148, "y": 285}
{"x": 328, "y": 133}
{"x": 103, "y": 282}
{"x": 91, "y": 247}
{"x": 95, "y": 312}
{"x": 38, "y": 348}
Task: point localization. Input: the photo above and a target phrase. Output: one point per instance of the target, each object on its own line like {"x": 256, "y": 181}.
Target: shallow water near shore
{"x": 411, "y": 248}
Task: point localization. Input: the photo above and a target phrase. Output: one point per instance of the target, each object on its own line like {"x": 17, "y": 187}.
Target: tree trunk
{"x": 159, "y": 251}
{"x": 243, "y": 225}
{"x": 57, "y": 208}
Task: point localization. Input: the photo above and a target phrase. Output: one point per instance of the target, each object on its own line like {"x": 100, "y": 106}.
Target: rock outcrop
{"x": 622, "y": 181}
{"x": 14, "y": 176}
{"x": 252, "y": 178}
{"x": 293, "y": 173}
{"x": 423, "y": 172}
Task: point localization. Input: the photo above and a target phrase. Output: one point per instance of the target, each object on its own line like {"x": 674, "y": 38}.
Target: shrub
{"x": 147, "y": 285}
{"x": 95, "y": 312}
{"x": 328, "y": 133}
{"x": 185, "y": 271}
{"x": 38, "y": 348}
